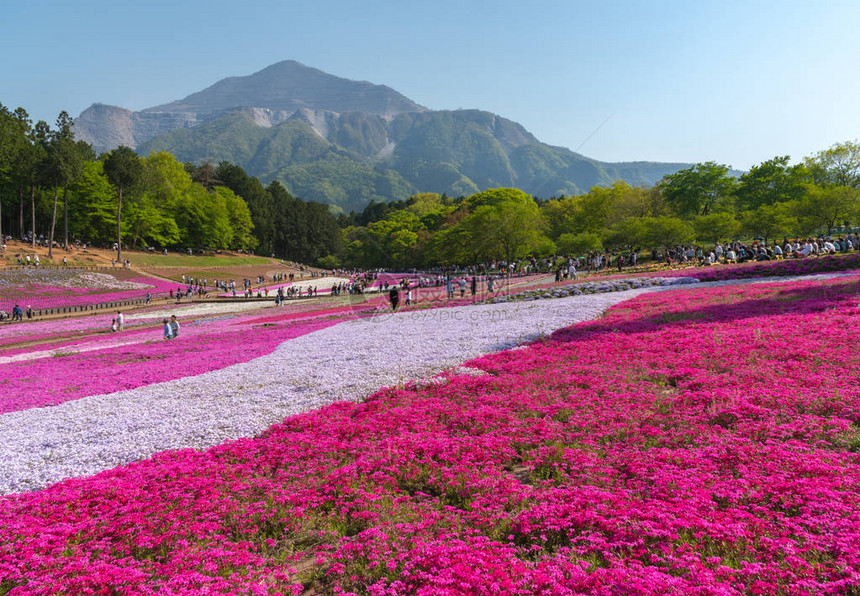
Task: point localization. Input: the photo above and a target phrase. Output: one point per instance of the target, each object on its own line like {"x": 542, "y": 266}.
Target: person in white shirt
{"x": 803, "y": 251}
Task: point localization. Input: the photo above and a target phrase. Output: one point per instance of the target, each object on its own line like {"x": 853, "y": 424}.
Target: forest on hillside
{"x": 56, "y": 188}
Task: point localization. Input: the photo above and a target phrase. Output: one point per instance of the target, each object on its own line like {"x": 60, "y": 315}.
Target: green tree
{"x": 838, "y": 166}
{"x": 630, "y": 233}
{"x": 666, "y": 232}
{"x": 827, "y": 207}
{"x": 578, "y": 244}
{"x": 772, "y": 181}
{"x": 509, "y": 229}
{"x": 65, "y": 163}
{"x": 124, "y": 170}
{"x": 716, "y": 226}
{"x": 771, "y": 221}
{"x": 266, "y": 215}
{"x": 497, "y": 196}
{"x": 563, "y": 216}
{"x": 8, "y": 143}
{"x": 699, "y": 189}
{"x": 239, "y": 217}
{"x": 96, "y": 201}
{"x": 23, "y": 147}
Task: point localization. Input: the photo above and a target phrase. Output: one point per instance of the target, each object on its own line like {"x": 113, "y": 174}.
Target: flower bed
{"x": 60, "y": 288}
{"x": 781, "y": 268}
{"x": 347, "y": 361}
{"x": 116, "y": 362}
{"x": 688, "y": 442}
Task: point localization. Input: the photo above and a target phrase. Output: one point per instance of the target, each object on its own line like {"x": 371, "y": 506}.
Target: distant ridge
{"x": 347, "y": 142}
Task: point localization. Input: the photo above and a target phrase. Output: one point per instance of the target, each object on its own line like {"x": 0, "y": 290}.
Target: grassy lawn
{"x": 173, "y": 260}
{"x": 208, "y": 274}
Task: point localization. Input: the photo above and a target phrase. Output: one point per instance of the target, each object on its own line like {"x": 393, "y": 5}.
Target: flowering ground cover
{"x": 74, "y": 329}
{"x": 343, "y": 362}
{"x": 59, "y": 288}
{"x": 697, "y": 441}
{"x": 781, "y": 268}
{"x": 124, "y": 361}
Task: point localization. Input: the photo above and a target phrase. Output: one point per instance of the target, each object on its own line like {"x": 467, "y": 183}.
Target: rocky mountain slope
{"x": 347, "y": 142}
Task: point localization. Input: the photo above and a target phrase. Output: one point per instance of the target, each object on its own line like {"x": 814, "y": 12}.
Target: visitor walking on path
{"x": 394, "y": 297}
{"x": 120, "y": 321}
{"x": 168, "y": 332}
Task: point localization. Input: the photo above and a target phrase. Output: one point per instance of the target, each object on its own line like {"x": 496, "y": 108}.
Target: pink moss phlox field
{"x": 44, "y": 297}
{"x": 693, "y": 442}
{"x": 780, "y": 268}
{"x": 57, "y": 379}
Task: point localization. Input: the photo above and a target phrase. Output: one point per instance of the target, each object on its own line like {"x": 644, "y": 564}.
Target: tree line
{"x": 55, "y": 190}
{"x": 702, "y": 204}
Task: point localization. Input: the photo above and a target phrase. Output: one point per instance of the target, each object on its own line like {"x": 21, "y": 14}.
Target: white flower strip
{"x": 75, "y": 349}
{"x": 348, "y": 361}
{"x": 345, "y": 362}
{"x": 199, "y": 310}
{"x": 67, "y": 278}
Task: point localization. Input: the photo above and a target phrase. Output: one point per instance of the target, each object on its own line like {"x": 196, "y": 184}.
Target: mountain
{"x": 347, "y": 142}
{"x": 271, "y": 96}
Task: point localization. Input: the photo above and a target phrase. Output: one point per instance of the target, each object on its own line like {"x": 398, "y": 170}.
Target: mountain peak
{"x": 289, "y": 85}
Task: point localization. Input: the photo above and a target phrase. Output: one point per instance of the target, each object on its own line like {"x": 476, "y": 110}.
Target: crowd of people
{"x": 760, "y": 250}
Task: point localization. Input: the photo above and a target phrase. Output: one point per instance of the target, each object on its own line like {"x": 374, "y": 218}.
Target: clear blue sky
{"x": 736, "y": 82}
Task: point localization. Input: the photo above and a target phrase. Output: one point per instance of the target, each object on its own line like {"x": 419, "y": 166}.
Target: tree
{"x": 25, "y": 160}
{"x": 666, "y": 231}
{"x": 829, "y": 206}
{"x": 630, "y": 233}
{"x": 40, "y": 137}
{"x": 772, "y": 181}
{"x": 578, "y": 244}
{"x": 771, "y": 221}
{"x": 509, "y": 228}
{"x": 124, "y": 170}
{"x": 64, "y": 163}
{"x": 96, "y": 201}
{"x": 8, "y": 142}
{"x": 716, "y": 226}
{"x": 497, "y": 196}
{"x": 838, "y": 166}
{"x": 697, "y": 190}
{"x": 563, "y": 216}
{"x": 239, "y": 217}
